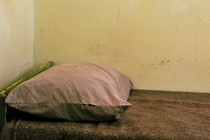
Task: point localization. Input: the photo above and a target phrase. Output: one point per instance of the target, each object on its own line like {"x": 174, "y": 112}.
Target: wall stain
{"x": 42, "y": 30}
{"x": 180, "y": 60}
{"x": 118, "y": 16}
{"x": 164, "y": 62}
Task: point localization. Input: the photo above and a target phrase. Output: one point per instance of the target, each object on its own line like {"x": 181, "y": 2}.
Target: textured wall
{"x": 161, "y": 45}
{"x": 16, "y": 39}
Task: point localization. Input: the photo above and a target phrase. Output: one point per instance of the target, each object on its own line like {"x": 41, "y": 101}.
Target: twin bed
{"x": 108, "y": 111}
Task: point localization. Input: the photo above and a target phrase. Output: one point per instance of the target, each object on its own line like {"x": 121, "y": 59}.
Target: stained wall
{"x": 160, "y": 45}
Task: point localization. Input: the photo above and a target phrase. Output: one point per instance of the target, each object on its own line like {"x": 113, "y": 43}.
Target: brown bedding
{"x": 153, "y": 115}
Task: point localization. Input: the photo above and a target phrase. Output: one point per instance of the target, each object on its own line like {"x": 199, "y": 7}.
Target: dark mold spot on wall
{"x": 164, "y": 62}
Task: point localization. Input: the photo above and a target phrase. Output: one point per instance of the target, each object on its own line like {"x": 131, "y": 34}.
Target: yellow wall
{"x": 16, "y": 39}
{"x": 159, "y": 44}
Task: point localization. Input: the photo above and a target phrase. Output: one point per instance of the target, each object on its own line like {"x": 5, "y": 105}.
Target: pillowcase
{"x": 77, "y": 91}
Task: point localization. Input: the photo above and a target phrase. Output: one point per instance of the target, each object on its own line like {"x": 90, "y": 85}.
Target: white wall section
{"x": 16, "y": 39}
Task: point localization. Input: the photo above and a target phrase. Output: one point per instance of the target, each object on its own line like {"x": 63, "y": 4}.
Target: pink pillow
{"x": 77, "y": 91}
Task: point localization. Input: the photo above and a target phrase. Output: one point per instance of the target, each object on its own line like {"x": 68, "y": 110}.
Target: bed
{"x": 88, "y": 101}
{"x": 153, "y": 115}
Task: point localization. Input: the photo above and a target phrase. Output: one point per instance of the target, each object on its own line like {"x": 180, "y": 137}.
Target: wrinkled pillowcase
{"x": 77, "y": 91}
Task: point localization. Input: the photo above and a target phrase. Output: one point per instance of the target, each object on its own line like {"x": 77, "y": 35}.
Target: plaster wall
{"x": 16, "y": 39}
{"x": 160, "y": 45}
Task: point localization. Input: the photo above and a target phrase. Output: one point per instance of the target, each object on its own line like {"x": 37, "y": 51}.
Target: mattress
{"x": 153, "y": 115}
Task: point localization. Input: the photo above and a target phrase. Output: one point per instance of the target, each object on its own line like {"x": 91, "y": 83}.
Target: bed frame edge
{"x": 2, "y": 113}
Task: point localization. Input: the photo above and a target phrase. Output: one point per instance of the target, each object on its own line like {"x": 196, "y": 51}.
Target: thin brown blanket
{"x": 153, "y": 115}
